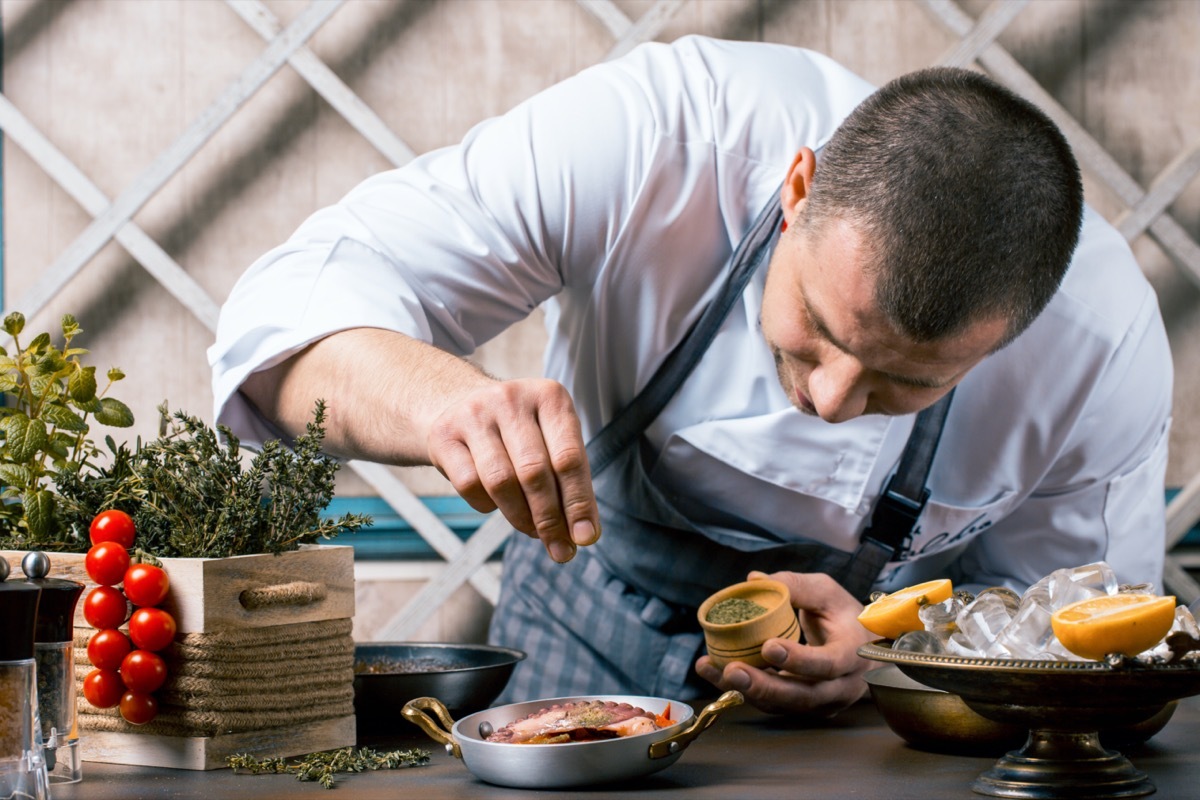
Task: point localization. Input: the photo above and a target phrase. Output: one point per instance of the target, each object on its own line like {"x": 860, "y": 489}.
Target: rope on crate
{"x": 296, "y": 593}
{"x": 247, "y": 679}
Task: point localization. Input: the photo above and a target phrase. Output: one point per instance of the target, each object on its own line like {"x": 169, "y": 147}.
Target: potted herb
{"x": 195, "y": 492}
{"x": 49, "y": 395}
{"x": 257, "y": 602}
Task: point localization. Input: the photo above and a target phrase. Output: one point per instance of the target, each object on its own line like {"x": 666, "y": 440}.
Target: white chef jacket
{"x": 615, "y": 199}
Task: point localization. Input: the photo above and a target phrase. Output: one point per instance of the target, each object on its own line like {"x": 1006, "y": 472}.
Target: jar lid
{"x": 18, "y": 609}
{"x": 56, "y": 611}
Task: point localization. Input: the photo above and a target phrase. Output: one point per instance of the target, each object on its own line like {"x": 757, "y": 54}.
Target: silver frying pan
{"x": 570, "y": 764}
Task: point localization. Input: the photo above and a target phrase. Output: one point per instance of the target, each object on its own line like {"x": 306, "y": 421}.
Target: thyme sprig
{"x": 322, "y": 767}
{"x": 200, "y": 500}
{"x": 196, "y": 492}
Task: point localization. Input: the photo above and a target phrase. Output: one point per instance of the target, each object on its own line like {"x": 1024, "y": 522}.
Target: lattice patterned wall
{"x": 152, "y": 150}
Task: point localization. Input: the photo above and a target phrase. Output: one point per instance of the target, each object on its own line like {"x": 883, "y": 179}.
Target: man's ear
{"x": 798, "y": 182}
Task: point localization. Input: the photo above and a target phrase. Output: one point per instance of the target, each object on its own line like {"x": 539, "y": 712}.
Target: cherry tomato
{"x": 105, "y": 607}
{"x": 103, "y": 688}
{"x": 143, "y": 671}
{"x": 151, "y": 629}
{"x": 112, "y": 526}
{"x": 106, "y": 563}
{"x": 146, "y": 584}
{"x": 107, "y": 649}
{"x": 138, "y": 708}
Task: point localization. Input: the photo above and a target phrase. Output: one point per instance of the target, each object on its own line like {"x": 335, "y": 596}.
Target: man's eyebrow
{"x": 823, "y": 331}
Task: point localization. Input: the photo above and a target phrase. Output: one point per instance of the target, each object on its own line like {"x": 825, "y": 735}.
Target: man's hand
{"x": 821, "y": 677}
{"x": 514, "y": 445}
{"x": 517, "y": 445}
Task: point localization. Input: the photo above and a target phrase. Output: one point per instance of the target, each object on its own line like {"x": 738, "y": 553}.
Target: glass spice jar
{"x": 22, "y": 768}
{"x": 54, "y": 652}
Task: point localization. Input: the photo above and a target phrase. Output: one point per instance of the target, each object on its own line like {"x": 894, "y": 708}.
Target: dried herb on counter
{"x": 323, "y": 766}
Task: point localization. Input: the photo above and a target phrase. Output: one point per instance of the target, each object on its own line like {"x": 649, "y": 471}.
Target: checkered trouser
{"x": 585, "y": 632}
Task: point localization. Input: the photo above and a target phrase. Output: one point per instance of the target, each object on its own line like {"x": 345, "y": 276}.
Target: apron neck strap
{"x": 621, "y": 432}
{"x": 905, "y": 495}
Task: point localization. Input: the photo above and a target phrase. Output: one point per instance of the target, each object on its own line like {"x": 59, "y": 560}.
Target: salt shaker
{"x": 22, "y": 768}
{"x": 54, "y": 650}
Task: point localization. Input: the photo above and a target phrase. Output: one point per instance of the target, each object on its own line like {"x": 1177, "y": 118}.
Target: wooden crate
{"x": 210, "y": 595}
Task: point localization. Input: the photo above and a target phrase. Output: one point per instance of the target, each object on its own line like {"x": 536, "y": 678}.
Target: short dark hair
{"x": 968, "y": 197}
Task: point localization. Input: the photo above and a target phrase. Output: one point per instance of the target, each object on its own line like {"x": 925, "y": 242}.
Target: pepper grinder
{"x": 22, "y": 769}
{"x": 54, "y": 651}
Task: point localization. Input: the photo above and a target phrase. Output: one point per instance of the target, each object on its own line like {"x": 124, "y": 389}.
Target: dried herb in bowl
{"x": 734, "y": 609}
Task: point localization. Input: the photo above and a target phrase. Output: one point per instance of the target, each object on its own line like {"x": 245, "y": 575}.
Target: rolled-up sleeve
{"x": 454, "y": 247}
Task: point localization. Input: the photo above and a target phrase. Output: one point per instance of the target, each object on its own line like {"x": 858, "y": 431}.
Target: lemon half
{"x": 1116, "y": 623}
{"x": 897, "y": 613}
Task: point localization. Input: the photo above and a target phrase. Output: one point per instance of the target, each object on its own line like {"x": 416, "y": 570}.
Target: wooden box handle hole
{"x": 297, "y": 593}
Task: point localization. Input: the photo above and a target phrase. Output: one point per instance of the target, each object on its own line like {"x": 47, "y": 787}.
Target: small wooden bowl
{"x": 743, "y": 641}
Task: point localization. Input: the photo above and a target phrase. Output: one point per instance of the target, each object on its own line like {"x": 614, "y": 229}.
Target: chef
{"x": 854, "y": 339}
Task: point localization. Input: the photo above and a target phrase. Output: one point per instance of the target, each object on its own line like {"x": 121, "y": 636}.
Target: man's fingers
{"x": 780, "y": 693}
{"x": 817, "y": 593}
{"x": 518, "y": 446}
{"x": 822, "y": 676}
{"x": 820, "y": 663}
{"x": 482, "y": 473}
{"x": 537, "y": 485}
{"x": 568, "y": 456}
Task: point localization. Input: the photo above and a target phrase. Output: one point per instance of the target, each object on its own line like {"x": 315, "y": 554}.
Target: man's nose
{"x": 838, "y": 390}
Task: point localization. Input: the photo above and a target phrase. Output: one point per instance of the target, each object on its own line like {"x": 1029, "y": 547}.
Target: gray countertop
{"x": 746, "y": 754}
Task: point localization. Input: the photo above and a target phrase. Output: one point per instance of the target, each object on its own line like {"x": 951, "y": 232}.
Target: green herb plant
{"x": 323, "y": 766}
{"x": 48, "y": 396}
{"x": 195, "y": 492}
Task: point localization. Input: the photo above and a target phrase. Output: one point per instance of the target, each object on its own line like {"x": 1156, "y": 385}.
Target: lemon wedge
{"x": 1116, "y": 623}
{"x": 897, "y": 613}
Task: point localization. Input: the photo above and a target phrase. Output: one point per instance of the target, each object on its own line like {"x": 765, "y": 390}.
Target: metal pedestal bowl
{"x": 940, "y": 722}
{"x": 1064, "y": 706}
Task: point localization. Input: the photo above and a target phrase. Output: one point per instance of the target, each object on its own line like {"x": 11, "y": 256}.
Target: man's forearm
{"x": 382, "y": 391}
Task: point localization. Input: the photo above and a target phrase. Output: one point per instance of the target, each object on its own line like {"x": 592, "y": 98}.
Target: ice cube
{"x": 983, "y": 620}
{"x": 920, "y": 642}
{"x": 959, "y": 645}
{"x": 1185, "y": 622}
{"x": 1069, "y": 585}
{"x": 1011, "y": 599}
{"x": 940, "y": 618}
{"x": 1029, "y": 633}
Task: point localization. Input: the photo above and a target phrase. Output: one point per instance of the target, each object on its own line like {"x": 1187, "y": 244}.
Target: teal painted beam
{"x": 391, "y": 537}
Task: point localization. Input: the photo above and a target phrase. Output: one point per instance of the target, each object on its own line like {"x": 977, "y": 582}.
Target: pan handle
{"x": 677, "y": 743}
{"x": 414, "y": 711}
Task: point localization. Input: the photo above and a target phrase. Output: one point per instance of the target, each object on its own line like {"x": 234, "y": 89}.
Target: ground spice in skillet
{"x": 406, "y": 666}
{"x": 735, "y": 609}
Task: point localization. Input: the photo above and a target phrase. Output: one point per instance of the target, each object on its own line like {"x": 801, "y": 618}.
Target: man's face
{"x": 837, "y": 356}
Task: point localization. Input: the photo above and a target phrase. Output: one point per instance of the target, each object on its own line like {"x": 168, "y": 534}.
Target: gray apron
{"x": 620, "y": 618}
